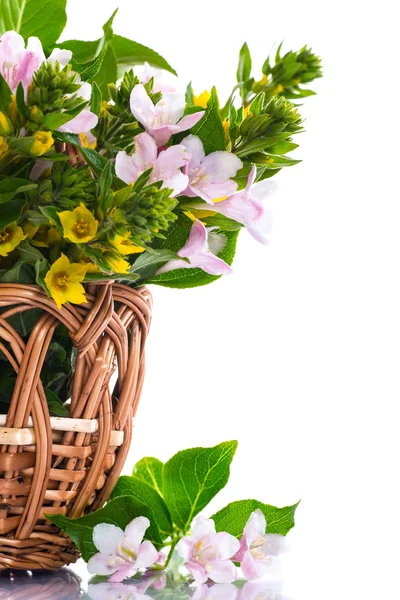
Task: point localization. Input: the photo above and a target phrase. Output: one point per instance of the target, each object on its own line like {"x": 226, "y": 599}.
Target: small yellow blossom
{"x": 63, "y": 281}
{"x": 6, "y": 127}
{"x": 103, "y": 108}
{"x": 202, "y": 99}
{"x": 43, "y": 142}
{"x": 279, "y": 89}
{"x": 91, "y": 266}
{"x": 124, "y": 244}
{"x": 79, "y": 224}
{"x": 10, "y": 237}
{"x": 3, "y": 146}
{"x": 43, "y": 236}
{"x": 226, "y": 125}
{"x": 116, "y": 263}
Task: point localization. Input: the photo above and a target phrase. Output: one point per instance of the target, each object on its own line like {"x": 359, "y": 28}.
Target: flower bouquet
{"x": 111, "y": 178}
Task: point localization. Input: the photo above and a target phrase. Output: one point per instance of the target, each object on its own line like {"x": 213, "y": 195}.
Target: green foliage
{"x": 234, "y": 517}
{"x": 193, "y": 477}
{"x": 130, "y": 53}
{"x": 150, "y": 470}
{"x": 44, "y": 19}
{"x": 210, "y": 129}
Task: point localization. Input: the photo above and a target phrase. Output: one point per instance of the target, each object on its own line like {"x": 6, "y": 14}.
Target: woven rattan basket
{"x": 69, "y": 465}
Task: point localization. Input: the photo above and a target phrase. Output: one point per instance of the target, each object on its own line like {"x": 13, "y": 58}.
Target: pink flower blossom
{"x": 259, "y": 550}
{"x": 17, "y": 63}
{"x": 122, "y": 553}
{"x": 164, "y": 82}
{"x": 246, "y": 207}
{"x": 166, "y": 165}
{"x": 85, "y": 120}
{"x": 198, "y": 252}
{"x": 207, "y": 554}
{"x": 217, "y": 591}
{"x": 114, "y": 591}
{"x": 165, "y": 118}
{"x": 209, "y": 176}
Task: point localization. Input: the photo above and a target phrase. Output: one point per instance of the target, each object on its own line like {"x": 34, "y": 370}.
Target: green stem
{"x": 173, "y": 545}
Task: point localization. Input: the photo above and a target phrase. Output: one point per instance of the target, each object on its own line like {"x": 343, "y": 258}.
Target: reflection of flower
{"x": 207, "y": 554}
{"x": 217, "y": 591}
{"x": 258, "y": 549}
{"x": 114, "y": 591}
{"x": 122, "y": 553}
{"x": 262, "y": 590}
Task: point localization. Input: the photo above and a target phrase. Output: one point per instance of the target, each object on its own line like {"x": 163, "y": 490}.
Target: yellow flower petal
{"x": 79, "y": 224}
{"x": 116, "y": 263}
{"x": 10, "y": 237}
{"x": 42, "y": 144}
{"x": 63, "y": 281}
{"x": 124, "y": 245}
{"x": 202, "y": 99}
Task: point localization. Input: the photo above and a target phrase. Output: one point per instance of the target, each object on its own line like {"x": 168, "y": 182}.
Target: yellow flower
{"x": 279, "y": 89}
{"x": 90, "y": 265}
{"x": 79, "y": 224}
{"x": 103, "y": 108}
{"x": 64, "y": 281}
{"x": 202, "y": 99}
{"x": 124, "y": 245}
{"x": 226, "y": 125}
{"x": 10, "y": 237}
{"x": 43, "y": 236}
{"x": 85, "y": 141}
{"x": 6, "y": 127}
{"x": 116, "y": 263}
{"x": 43, "y": 142}
{"x": 3, "y": 146}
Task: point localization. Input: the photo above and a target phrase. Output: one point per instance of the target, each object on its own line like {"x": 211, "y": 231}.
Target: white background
{"x": 296, "y": 355}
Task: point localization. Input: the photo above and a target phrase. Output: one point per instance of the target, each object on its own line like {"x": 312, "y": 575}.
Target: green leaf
{"x": 91, "y": 68}
{"x": 130, "y": 53}
{"x": 92, "y": 157}
{"x": 55, "y": 120}
{"x": 29, "y": 253}
{"x": 144, "y": 494}
{"x": 244, "y": 67}
{"x": 44, "y": 19}
{"x": 150, "y": 470}
{"x": 193, "y": 477}
{"x": 11, "y": 212}
{"x": 175, "y": 239}
{"x": 234, "y": 517}
{"x": 95, "y": 101}
{"x": 41, "y": 269}
{"x": 56, "y": 407}
{"x": 148, "y": 262}
{"x": 5, "y": 95}
{"x": 19, "y": 273}
{"x": 118, "y": 511}
{"x": 210, "y": 129}
{"x": 14, "y": 185}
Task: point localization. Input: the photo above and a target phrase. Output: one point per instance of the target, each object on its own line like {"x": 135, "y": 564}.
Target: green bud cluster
{"x": 65, "y": 186}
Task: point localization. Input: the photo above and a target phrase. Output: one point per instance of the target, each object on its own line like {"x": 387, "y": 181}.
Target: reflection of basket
{"x": 63, "y": 585}
{"x": 51, "y": 465}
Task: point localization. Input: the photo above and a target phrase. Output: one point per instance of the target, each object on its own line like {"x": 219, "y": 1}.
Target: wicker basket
{"x": 52, "y": 465}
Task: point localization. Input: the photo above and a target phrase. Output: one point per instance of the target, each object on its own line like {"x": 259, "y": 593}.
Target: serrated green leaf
{"x": 143, "y": 494}
{"x": 193, "y": 477}
{"x": 118, "y": 511}
{"x": 130, "y": 53}
{"x": 88, "y": 70}
{"x": 210, "y": 129}
{"x": 234, "y": 517}
{"x": 44, "y": 19}
{"x": 150, "y": 470}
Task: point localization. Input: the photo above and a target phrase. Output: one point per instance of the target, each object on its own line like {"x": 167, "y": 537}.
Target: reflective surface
{"x": 66, "y": 585}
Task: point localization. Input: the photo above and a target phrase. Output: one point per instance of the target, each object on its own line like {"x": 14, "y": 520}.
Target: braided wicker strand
{"x": 66, "y": 466}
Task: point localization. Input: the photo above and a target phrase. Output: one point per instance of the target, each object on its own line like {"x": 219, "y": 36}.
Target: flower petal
{"x": 125, "y": 167}
{"x": 252, "y": 569}
{"x": 177, "y": 183}
{"x": 195, "y": 149}
{"x": 147, "y": 555}
{"x": 141, "y": 106}
{"x": 170, "y": 160}
{"x": 196, "y": 244}
{"x": 135, "y": 531}
{"x": 226, "y": 544}
{"x": 107, "y": 538}
{"x": 255, "y": 526}
{"x": 184, "y": 548}
{"x": 61, "y": 56}
{"x": 221, "y": 166}
{"x": 162, "y": 135}
{"x": 124, "y": 572}
{"x": 197, "y": 570}
{"x": 275, "y": 544}
{"x": 223, "y": 571}
{"x": 189, "y": 121}
{"x": 171, "y": 107}
{"x": 83, "y": 122}
{"x": 99, "y": 565}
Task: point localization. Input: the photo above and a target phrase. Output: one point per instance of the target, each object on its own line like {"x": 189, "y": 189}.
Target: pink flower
{"x": 164, "y": 82}
{"x": 198, "y": 252}
{"x": 259, "y": 550}
{"x": 121, "y": 553}
{"x": 17, "y": 63}
{"x": 207, "y": 554}
{"x": 209, "y": 176}
{"x": 85, "y": 120}
{"x": 166, "y": 165}
{"x": 246, "y": 207}
{"x": 218, "y": 591}
{"x": 165, "y": 118}
{"x": 114, "y": 591}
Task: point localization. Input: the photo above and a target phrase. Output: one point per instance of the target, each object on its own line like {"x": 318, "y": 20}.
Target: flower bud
{"x": 43, "y": 141}
{"x": 6, "y": 127}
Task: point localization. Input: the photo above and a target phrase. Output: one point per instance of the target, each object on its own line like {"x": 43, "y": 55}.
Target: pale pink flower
{"x": 85, "y": 120}
{"x": 263, "y": 590}
{"x": 258, "y": 550}
{"x": 198, "y": 252}
{"x": 246, "y": 207}
{"x": 122, "y": 553}
{"x": 209, "y": 176}
{"x": 17, "y": 63}
{"x": 166, "y": 165}
{"x": 114, "y": 591}
{"x": 164, "y": 82}
{"x": 216, "y": 591}
{"x": 165, "y": 118}
{"x": 207, "y": 554}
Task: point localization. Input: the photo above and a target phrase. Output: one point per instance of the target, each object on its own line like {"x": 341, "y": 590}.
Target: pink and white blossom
{"x": 208, "y": 554}
{"x": 209, "y": 176}
{"x": 198, "y": 252}
{"x": 164, "y": 82}
{"x": 165, "y": 118}
{"x": 17, "y": 62}
{"x": 258, "y": 550}
{"x": 166, "y": 165}
{"x": 263, "y": 590}
{"x": 246, "y": 207}
{"x": 114, "y": 591}
{"x": 216, "y": 591}
{"x": 122, "y": 553}
{"x": 86, "y": 119}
